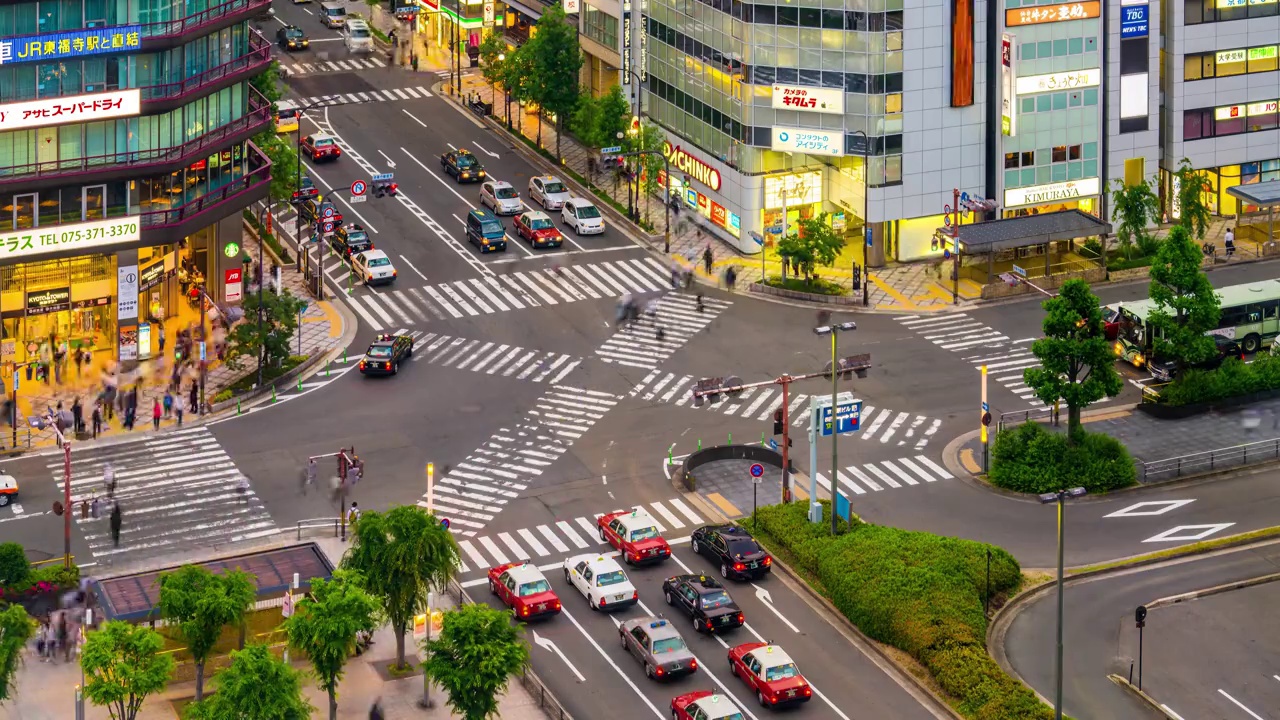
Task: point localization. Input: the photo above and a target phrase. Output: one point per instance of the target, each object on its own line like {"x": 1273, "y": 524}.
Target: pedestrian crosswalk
{"x": 885, "y": 475}
{"x": 485, "y": 295}
{"x": 491, "y": 358}
{"x": 981, "y": 344}
{"x": 564, "y": 538}
{"x": 669, "y": 322}
{"x": 355, "y": 98}
{"x": 472, "y": 492}
{"x": 883, "y": 424}
{"x": 176, "y": 490}
{"x": 351, "y": 64}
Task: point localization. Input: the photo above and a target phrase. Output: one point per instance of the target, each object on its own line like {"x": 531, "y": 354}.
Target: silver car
{"x": 655, "y": 642}
{"x": 548, "y": 191}
{"x": 500, "y": 197}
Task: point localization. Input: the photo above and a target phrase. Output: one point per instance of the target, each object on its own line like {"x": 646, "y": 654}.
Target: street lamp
{"x": 866, "y": 226}
{"x": 506, "y": 91}
{"x": 1060, "y": 498}
{"x": 834, "y": 330}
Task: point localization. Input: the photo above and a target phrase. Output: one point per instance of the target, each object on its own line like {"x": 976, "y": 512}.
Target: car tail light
{"x": 808, "y": 691}
{"x": 693, "y": 664}
{"x": 387, "y": 365}
{"x": 659, "y": 671}
{"x": 394, "y": 273}
{"x": 604, "y": 601}
{"x": 556, "y": 605}
{"x": 635, "y": 594}
{"x": 768, "y": 561}
{"x": 739, "y": 567}
{"x": 742, "y": 618}
{"x": 337, "y": 151}
{"x": 362, "y": 365}
{"x": 524, "y": 610}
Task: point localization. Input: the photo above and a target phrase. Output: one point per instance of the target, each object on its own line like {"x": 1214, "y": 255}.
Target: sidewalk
{"x": 321, "y": 330}
{"x": 45, "y": 691}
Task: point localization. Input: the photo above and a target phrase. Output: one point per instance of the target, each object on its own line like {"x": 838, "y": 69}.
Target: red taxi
{"x": 771, "y": 673}
{"x": 321, "y": 147}
{"x": 634, "y": 533}
{"x": 524, "y": 589}
{"x": 536, "y": 227}
{"x": 704, "y": 705}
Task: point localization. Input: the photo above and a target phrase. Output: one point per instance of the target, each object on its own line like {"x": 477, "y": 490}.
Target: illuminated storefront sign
{"x": 48, "y": 301}
{"x": 78, "y": 237}
{"x": 801, "y": 189}
{"x": 626, "y": 42}
{"x": 570, "y": 7}
{"x": 78, "y": 43}
{"x": 1226, "y": 57}
{"x": 813, "y": 142}
{"x": 1229, "y": 112}
{"x": 1134, "y": 21}
{"x": 1008, "y": 111}
{"x": 808, "y": 99}
{"x": 644, "y": 45}
{"x": 962, "y": 55}
{"x": 1051, "y": 193}
{"x": 691, "y": 166}
{"x": 73, "y": 109}
{"x": 1242, "y": 3}
{"x": 1059, "y": 81}
{"x": 1263, "y": 108}
{"x": 1052, "y": 13}
{"x": 1266, "y": 52}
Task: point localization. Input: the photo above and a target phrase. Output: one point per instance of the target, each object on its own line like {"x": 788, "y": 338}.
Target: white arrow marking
{"x": 390, "y": 163}
{"x": 549, "y": 646}
{"x": 486, "y": 152}
{"x": 763, "y": 596}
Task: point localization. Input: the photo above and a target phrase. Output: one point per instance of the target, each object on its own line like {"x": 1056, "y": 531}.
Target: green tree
{"x": 814, "y": 242}
{"x": 519, "y": 78}
{"x": 402, "y": 555}
{"x": 1076, "y": 360}
{"x": 493, "y": 58}
{"x": 586, "y": 124}
{"x": 284, "y": 164}
{"x": 1194, "y": 214}
{"x": 477, "y": 652}
{"x": 1135, "y": 208}
{"x": 268, "y": 83}
{"x": 1186, "y": 307}
{"x": 14, "y": 567}
{"x": 324, "y": 627}
{"x": 557, "y": 58}
{"x": 256, "y": 685}
{"x": 123, "y": 665}
{"x": 615, "y": 115}
{"x": 649, "y": 139}
{"x": 200, "y": 604}
{"x": 16, "y": 628}
{"x": 270, "y": 345}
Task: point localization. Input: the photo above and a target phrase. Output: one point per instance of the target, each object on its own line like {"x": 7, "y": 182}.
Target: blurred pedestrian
{"x": 116, "y": 520}
{"x": 375, "y": 712}
{"x": 156, "y": 413}
{"x": 97, "y": 418}
{"x": 178, "y": 407}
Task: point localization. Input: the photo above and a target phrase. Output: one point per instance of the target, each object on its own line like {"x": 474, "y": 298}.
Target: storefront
{"x": 1218, "y": 200}
{"x": 438, "y": 23}
{"x": 1083, "y": 195}
{"x": 47, "y": 302}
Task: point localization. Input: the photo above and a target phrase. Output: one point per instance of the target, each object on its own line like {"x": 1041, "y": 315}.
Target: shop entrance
{"x": 47, "y": 303}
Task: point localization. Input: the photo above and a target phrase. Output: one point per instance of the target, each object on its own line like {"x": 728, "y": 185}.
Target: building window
{"x": 599, "y": 26}
{"x": 1207, "y": 11}
{"x": 1238, "y": 61}
{"x": 1230, "y": 120}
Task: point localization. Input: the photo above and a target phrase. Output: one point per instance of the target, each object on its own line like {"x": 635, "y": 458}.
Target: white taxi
{"x": 374, "y": 267}
{"x": 601, "y": 581}
{"x": 583, "y": 216}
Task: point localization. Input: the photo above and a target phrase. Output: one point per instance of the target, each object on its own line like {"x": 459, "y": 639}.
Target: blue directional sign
{"x": 611, "y": 150}
{"x": 848, "y": 417}
{"x": 773, "y": 444}
{"x": 384, "y": 177}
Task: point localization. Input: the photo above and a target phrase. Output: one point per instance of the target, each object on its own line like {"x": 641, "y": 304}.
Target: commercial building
{"x": 1221, "y": 82}
{"x": 125, "y": 164}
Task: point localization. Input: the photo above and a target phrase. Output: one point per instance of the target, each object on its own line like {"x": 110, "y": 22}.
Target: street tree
{"x": 1076, "y": 361}
{"x": 813, "y": 243}
{"x": 493, "y": 58}
{"x": 402, "y": 554}
{"x": 16, "y": 628}
{"x": 284, "y": 165}
{"x": 271, "y": 344}
{"x": 123, "y": 665}
{"x": 268, "y": 83}
{"x": 1193, "y": 213}
{"x": 324, "y": 626}
{"x": 615, "y": 115}
{"x": 256, "y": 685}
{"x": 477, "y": 652}
{"x": 1135, "y": 208}
{"x": 557, "y": 58}
{"x": 1186, "y": 306}
{"x": 200, "y": 604}
{"x": 586, "y": 123}
{"x": 519, "y": 80}
{"x": 649, "y": 166}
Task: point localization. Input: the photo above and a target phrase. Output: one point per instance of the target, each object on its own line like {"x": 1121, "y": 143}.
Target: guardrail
{"x": 1208, "y": 461}
{"x": 315, "y": 523}
{"x": 1022, "y": 416}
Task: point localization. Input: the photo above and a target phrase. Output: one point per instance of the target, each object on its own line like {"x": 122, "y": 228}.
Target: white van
{"x": 333, "y": 14}
{"x": 357, "y": 37}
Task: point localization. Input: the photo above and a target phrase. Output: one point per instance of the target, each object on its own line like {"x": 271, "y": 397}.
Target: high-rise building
{"x": 125, "y": 165}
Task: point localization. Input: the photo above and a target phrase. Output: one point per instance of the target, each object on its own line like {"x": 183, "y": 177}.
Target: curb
{"x": 1145, "y": 698}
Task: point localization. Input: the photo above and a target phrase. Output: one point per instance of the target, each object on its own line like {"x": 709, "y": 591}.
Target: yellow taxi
{"x": 287, "y": 115}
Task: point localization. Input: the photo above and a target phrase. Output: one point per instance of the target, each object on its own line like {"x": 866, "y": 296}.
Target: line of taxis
{"x": 765, "y": 668}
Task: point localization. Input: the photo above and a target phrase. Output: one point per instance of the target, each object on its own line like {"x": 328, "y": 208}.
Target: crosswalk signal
{"x": 777, "y": 421}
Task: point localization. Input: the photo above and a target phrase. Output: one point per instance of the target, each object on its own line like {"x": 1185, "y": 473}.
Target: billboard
{"x": 73, "y": 109}
{"x": 73, "y": 44}
{"x": 962, "y": 61}
{"x": 1008, "y": 97}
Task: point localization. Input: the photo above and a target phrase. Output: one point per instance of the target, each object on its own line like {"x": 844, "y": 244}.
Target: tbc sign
{"x": 691, "y": 166}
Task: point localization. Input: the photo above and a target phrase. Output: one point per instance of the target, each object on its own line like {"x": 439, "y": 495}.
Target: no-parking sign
{"x": 757, "y": 471}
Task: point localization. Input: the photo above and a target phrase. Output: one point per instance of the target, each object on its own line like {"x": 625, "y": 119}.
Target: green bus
{"x": 1250, "y": 316}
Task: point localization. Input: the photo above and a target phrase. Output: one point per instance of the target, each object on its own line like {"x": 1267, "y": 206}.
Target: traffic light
{"x": 777, "y": 421}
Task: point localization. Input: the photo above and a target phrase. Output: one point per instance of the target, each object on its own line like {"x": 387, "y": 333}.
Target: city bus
{"x": 1250, "y": 316}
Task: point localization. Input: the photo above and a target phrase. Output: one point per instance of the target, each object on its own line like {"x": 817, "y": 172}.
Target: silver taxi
{"x": 655, "y": 643}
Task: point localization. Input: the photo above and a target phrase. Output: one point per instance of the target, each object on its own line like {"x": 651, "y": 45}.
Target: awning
{"x": 528, "y": 9}
{"x": 1265, "y": 195}
{"x": 1028, "y": 231}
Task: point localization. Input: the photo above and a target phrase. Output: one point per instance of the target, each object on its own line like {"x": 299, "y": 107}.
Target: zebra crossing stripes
{"x": 1005, "y": 358}
{"x": 176, "y": 490}
{"x": 323, "y": 66}
{"x": 883, "y": 424}
{"x": 472, "y": 492}
{"x": 564, "y": 538}
{"x": 531, "y": 288}
{"x": 676, "y": 319}
{"x": 356, "y": 98}
{"x": 491, "y": 358}
{"x": 871, "y": 478}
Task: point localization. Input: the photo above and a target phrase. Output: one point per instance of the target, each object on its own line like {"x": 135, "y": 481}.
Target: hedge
{"x": 918, "y": 592}
{"x": 1232, "y": 379}
{"x": 1032, "y": 458}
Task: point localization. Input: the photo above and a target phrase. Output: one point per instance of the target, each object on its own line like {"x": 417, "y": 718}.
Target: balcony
{"x": 125, "y": 165}
{"x": 171, "y": 225}
{"x": 162, "y": 98}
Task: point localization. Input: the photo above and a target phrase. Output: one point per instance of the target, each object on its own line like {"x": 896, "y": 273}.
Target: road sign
{"x": 384, "y": 177}
{"x": 964, "y": 197}
{"x": 946, "y": 220}
{"x": 328, "y": 211}
{"x": 985, "y": 406}
{"x": 1019, "y": 271}
{"x": 444, "y": 523}
{"x": 611, "y": 150}
{"x": 773, "y": 444}
{"x": 202, "y": 351}
{"x": 328, "y": 227}
{"x": 359, "y": 187}
{"x": 848, "y": 415}
{"x": 757, "y": 471}
{"x": 757, "y": 237}
{"x": 946, "y": 209}
{"x": 358, "y": 199}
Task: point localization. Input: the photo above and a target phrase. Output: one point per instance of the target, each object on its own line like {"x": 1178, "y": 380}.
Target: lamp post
{"x": 866, "y": 226}
{"x": 834, "y": 330}
{"x": 502, "y": 57}
{"x": 262, "y": 215}
{"x": 639, "y": 113}
{"x": 1060, "y": 498}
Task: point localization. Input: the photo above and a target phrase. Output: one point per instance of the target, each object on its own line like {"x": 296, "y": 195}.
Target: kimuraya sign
{"x": 691, "y": 166}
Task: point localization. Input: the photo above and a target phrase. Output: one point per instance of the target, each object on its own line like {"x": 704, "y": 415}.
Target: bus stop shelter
{"x": 1258, "y": 226}
{"x": 1032, "y": 246}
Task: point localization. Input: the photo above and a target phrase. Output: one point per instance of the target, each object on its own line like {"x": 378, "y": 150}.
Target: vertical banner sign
{"x": 570, "y": 7}
{"x": 1008, "y": 99}
{"x": 643, "y": 70}
{"x": 127, "y": 292}
{"x": 489, "y": 12}
{"x": 233, "y": 284}
{"x": 962, "y": 67}
{"x": 626, "y": 43}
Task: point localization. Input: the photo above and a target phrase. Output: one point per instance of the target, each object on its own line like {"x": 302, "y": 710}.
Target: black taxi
{"x": 385, "y": 355}
{"x": 349, "y": 240}
{"x": 463, "y": 166}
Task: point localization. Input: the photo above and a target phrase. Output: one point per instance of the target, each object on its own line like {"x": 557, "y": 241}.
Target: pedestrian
{"x": 77, "y": 415}
{"x": 707, "y": 258}
{"x": 161, "y": 338}
{"x": 97, "y": 419}
{"x": 168, "y": 404}
{"x": 1229, "y": 242}
{"x": 675, "y": 275}
{"x": 178, "y": 408}
{"x": 193, "y": 398}
{"x": 242, "y": 487}
{"x": 62, "y": 636}
{"x": 42, "y": 640}
{"x": 109, "y": 479}
{"x": 156, "y": 413}
{"x": 701, "y": 308}
{"x": 730, "y": 277}
{"x": 116, "y": 519}
{"x": 353, "y": 514}
{"x": 375, "y": 712}
{"x": 95, "y": 508}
